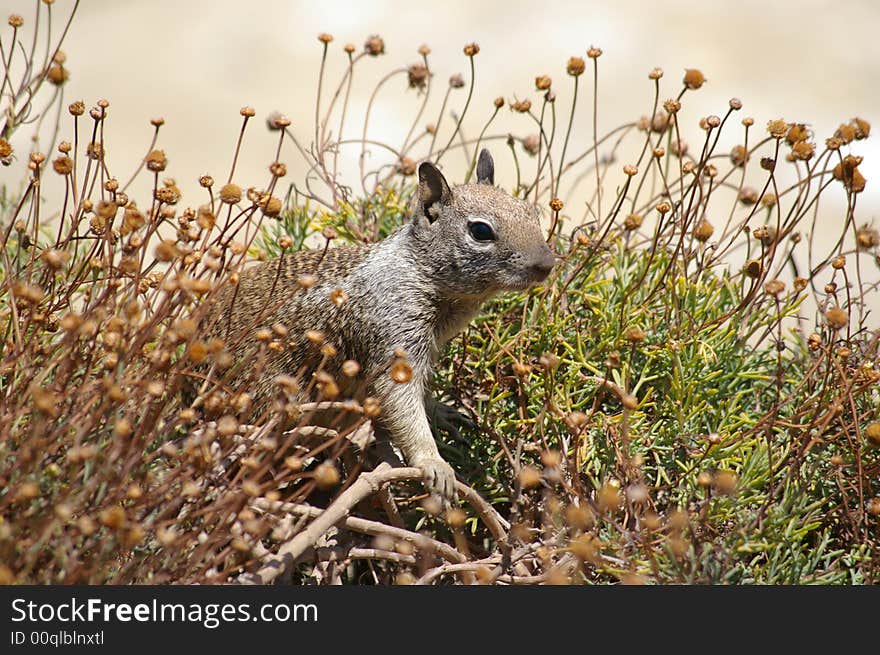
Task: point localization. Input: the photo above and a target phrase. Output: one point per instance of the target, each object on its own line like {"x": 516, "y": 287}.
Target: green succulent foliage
{"x": 700, "y": 352}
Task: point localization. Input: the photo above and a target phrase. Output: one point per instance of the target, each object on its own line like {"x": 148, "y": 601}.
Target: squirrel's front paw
{"x": 439, "y": 478}
{"x": 448, "y": 419}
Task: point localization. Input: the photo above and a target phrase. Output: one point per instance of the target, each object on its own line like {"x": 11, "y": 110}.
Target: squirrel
{"x": 405, "y": 295}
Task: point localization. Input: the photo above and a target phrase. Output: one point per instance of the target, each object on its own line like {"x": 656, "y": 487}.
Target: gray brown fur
{"x": 414, "y": 290}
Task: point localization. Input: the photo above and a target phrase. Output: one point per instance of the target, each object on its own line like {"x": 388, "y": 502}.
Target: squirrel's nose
{"x": 542, "y": 264}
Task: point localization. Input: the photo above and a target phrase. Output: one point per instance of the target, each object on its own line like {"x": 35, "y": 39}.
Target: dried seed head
{"x": 57, "y": 74}
{"x": 542, "y": 82}
{"x": 401, "y": 372}
{"x": 227, "y": 426}
{"x": 693, "y": 78}
{"x": 272, "y": 207}
{"x": 576, "y": 420}
{"x": 455, "y": 517}
{"x": 372, "y": 407}
{"x": 551, "y": 458}
{"x": 594, "y": 52}
{"x": 418, "y": 76}
{"x": 633, "y": 222}
{"x": 797, "y": 132}
{"x": 838, "y": 262}
{"x": 326, "y": 475}
{"x": 872, "y": 433}
{"x": 406, "y": 166}
{"x": 576, "y": 66}
{"x": 278, "y": 169}
{"x": 247, "y": 112}
{"x": 847, "y": 172}
{"x": 166, "y": 251}
{"x": 768, "y": 163}
{"x": 374, "y": 46}
{"x": 803, "y": 150}
{"x": 133, "y": 536}
{"x": 122, "y": 428}
{"x": 94, "y": 150}
{"x": 15, "y": 21}
{"x": 556, "y": 204}
{"x": 748, "y": 195}
{"x": 774, "y": 287}
{"x": 663, "y": 207}
{"x": 113, "y": 517}
{"x": 629, "y": 170}
{"x": 456, "y": 80}
{"x": 634, "y": 335}
{"x": 579, "y": 517}
{"x": 725, "y": 483}
{"x": 521, "y": 369}
{"x": 867, "y": 237}
{"x": 739, "y": 156}
{"x": 703, "y": 230}
{"x": 156, "y": 161}
{"x": 424, "y": 50}
{"x": 55, "y": 259}
{"x": 862, "y": 128}
{"x": 531, "y": 144}
{"x": 777, "y": 128}
{"x": 529, "y": 477}
{"x": 655, "y": 74}
{"x": 63, "y": 165}
{"x": 753, "y": 268}
{"x": 230, "y": 193}
{"x": 471, "y": 49}
{"x": 637, "y": 493}
{"x": 306, "y": 281}
{"x": 661, "y": 120}
{"x": 846, "y": 133}
{"x": 735, "y": 104}
{"x": 608, "y": 498}
{"x": 350, "y": 368}
{"x": 836, "y": 318}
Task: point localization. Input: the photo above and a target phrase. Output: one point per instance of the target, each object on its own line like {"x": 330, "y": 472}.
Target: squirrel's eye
{"x": 481, "y": 231}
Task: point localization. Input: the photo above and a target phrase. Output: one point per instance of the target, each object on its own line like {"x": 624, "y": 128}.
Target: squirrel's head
{"x": 476, "y": 238}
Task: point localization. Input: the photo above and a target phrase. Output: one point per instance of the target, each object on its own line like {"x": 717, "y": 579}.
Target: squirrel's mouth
{"x": 525, "y": 280}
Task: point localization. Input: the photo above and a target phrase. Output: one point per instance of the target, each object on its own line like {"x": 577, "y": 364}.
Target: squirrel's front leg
{"x": 404, "y": 417}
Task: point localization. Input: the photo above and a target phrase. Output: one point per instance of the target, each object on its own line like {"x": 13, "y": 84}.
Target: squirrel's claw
{"x": 439, "y": 479}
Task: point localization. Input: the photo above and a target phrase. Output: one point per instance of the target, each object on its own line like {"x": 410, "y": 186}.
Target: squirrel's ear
{"x": 432, "y": 189}
{"x": 485, "y": 168}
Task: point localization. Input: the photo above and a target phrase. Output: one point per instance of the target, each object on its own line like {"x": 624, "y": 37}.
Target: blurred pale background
{"x": 196, "y": 63}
